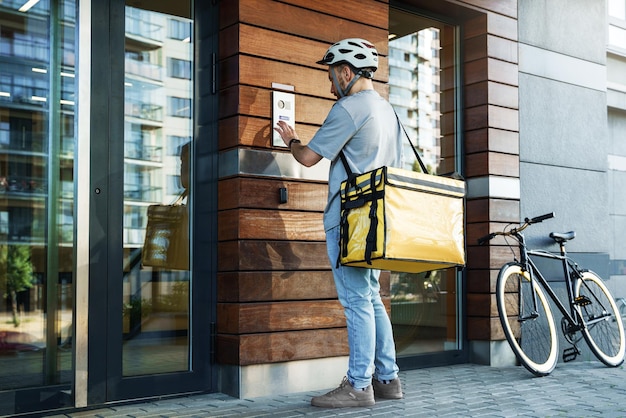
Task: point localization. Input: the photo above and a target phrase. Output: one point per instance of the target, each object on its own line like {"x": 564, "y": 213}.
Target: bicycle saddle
{"x": 561, "y": 237}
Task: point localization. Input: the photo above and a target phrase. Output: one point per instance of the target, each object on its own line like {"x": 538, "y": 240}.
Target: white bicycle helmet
{"x": 360, "y": 54}
{"x": 355, "y": 51}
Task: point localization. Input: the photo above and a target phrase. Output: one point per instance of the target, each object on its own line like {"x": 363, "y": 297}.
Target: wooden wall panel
{"x": 249, "y": 224}
{"x": 259, "y": 286}
{"x": 484, "y": 328}
{"x": 488, "y": 163}
{"x": 272, "y": 256}
{"x": 254, "y": 132}
{"x": 249, "y": 192}
{"x": 280, "y": 17}
{"x": 282, "y": 346}
{"x": 481, "y": 281}
{"x": 248, "y": 318}
{"x": 256, "y": 286}
{"x": 496, "y": 140}
{"x": 489, "y": 92}
{"x": 377, "y": 11}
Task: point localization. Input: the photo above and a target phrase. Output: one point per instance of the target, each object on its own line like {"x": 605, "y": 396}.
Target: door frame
{"x": 100, "y": 175}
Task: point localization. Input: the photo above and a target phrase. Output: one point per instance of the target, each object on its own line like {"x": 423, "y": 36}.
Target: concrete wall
{"x": 563, "y": 121}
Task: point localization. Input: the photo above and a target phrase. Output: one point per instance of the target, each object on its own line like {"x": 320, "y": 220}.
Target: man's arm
{"x": 304, "y": 155}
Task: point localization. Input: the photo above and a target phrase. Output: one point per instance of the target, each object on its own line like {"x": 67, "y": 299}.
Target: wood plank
{"x": 255, "y": 132}
{"x": 263, "y": 193}
{"x": 492, "y": 163}
{"x": 481, "y": 281}
{"x": 493, "y": 93}
{"x": 247, "y": 318}
{"x": 475, "y": 26}
{"x": 254, "y": 101}
{"x": 228, "y": 42}
{"x": 502, "y": 26}
{"x": 261, "y": 286}
{"x": 482, "y": 304}
{"x": 491, "y": 69}
{"x": 262, "y": 72}
{"x": 492, "y": 23}
{"x": 377, "y": 11}
{"x": 488, "y": 116}
{"x": 296, "y": 51}
{"x": 271, "y": 255}
{"x": 484, "y": 329}
{"x": 493, "y": 210}
{"x": 477, "y": 230}
{"x": 270, "y": 225}
{"x": 265, "y": 13}
{"x": 488, "y": 257}
{"x": 279, "y": 347}
{"x": 491, "y": 139}
{"x": 486, "y": 45}
{"x": 258, "y": 286}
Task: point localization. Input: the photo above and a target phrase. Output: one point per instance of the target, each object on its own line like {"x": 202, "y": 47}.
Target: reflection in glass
{"x": 422, "y": 90}
{"x": 37, "y": 102}
{"x": 157, "y": 141}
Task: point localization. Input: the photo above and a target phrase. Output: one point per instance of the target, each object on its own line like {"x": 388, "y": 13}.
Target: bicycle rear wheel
{"x": 528, "y": 326}
{"x": 604, "y": 330}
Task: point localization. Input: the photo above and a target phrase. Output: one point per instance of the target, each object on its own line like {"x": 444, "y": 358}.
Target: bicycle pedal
{"x": 570, "y": 354}
{"x": 582, "y": 301}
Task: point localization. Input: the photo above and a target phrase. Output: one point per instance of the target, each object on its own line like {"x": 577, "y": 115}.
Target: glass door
{"x": 423, "y": 88}
{"x": 156, "y": 338}
{"x": 37, "y": 107}
{"x": 158, "y": 126}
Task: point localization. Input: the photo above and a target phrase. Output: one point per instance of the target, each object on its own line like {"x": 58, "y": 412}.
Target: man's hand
{"x": 303, "y": 154}
{"x": 286, "y": 131}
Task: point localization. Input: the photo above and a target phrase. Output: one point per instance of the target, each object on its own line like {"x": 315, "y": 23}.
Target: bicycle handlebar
{"x": 538, "y": 219}
{"x": 527, "y": 222}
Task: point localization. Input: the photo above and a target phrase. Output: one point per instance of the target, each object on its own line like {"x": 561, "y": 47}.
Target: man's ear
{"x": 347, "y": 72}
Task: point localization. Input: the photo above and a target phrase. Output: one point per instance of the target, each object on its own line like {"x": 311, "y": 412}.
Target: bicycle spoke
{"x": 527, "y": 320}
{"x": 603, "y": 330}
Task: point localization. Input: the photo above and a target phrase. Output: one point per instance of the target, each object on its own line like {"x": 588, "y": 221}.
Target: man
{"x": 364, "y": 126}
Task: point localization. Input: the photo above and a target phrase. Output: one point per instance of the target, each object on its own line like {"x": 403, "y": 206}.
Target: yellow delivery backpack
{"x": 401, "y": 220}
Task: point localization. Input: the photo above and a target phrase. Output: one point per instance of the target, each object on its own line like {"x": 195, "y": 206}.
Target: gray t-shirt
{"x": 365, "y": 126}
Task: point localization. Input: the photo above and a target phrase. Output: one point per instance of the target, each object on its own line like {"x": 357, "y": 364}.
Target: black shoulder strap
{"x": 419, "y": 159}
{"x": 345, "y": 163}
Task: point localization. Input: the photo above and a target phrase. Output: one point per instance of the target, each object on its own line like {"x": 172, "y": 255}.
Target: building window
{"x": 179, "y": 107}
{"x": 617, "y": 25}
{"x": 180, "y": 30}
{"x": 177, "y": 68}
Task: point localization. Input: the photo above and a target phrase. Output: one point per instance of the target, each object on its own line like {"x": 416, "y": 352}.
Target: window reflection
{"x": 37, "y": 102}
{"x": 422, "y": 90}
{"x": 157, "y": 142}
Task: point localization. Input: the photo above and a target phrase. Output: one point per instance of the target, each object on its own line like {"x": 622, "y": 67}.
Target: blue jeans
{"x": 370, "y": 336}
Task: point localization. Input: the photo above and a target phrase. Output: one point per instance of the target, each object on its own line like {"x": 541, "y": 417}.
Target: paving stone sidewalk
{"x": 577, "y": 389}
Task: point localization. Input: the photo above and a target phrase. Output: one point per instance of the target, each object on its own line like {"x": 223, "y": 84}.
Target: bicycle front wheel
{"x": 527, "y": 320}
{"x": 604, "y": 330}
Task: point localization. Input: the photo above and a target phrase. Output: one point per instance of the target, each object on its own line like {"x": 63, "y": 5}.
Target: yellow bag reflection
{"x": 400, "y": 220}
{"x": 167, "y": 237}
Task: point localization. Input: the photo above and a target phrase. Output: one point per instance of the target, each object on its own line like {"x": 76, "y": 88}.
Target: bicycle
{"x": 526, "y": 315}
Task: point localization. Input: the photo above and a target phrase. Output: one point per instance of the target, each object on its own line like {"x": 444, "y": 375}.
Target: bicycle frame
{"x": 590, "y": 308}
{"x": 569, "y": 269}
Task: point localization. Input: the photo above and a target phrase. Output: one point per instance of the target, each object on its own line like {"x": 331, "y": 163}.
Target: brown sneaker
{"x": 345, "y": 395}
{"x": 391, "y": 390}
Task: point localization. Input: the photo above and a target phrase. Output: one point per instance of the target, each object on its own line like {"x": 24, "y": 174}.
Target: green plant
{"x": 16, "y": 274}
